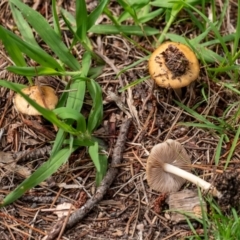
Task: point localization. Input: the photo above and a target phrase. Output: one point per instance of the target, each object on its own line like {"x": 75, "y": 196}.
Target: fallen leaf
{"x": 63, "y": 209}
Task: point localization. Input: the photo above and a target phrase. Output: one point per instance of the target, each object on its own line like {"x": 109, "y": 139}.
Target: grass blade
{"x": 56, "y": 24}
{"x": 40, "y": 24}
{"x": 23, "y": 26}
{"x": 41, "y": 174}
{"x": 33, "y": 52}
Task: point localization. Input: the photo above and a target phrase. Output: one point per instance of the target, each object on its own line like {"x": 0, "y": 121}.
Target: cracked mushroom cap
{"x": 171, "y": 152}
{"x": 43, "y": 95}
{"x": 173, "y": 65}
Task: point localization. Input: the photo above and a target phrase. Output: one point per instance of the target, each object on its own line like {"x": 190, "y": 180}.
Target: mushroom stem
{"x": 191, "y": 178}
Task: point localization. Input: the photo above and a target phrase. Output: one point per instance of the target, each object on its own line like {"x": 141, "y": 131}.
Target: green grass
{"x": 74, "y": 129}
{"x": 217, "y": 225}
{"x": 211, "y": 44}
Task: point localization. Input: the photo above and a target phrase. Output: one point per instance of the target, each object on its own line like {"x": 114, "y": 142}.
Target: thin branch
{"x": 102, "y": 189}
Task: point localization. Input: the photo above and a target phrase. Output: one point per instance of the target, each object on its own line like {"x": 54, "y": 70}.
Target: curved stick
{"x": 79, "y": 214}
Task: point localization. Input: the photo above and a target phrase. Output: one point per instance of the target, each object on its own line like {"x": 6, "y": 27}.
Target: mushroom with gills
{"x": 168, "y": 169}
{"x": 43, "y": 95}
{"x": 173, "y": 65}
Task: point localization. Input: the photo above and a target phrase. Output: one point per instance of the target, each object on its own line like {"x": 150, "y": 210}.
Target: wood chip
{"x": 186, "y": 201}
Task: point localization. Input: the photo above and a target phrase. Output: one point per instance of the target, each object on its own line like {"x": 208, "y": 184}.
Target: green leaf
{"x": 83, "y": 142}
{"x": 76, "y": 94}
{"x": 94, "y": 154}
{"x": 206, "y": 54}
{"x": 41, "y": 174}
{"x": 86, "y": 64}
{"x": 68, "y": 113}
{"x": 33, "y": 52}
{"x": 128, "y": 30}
{"x": 49, "y": 115}
{"x": 96, "y": 114}
{"x": 18, "y": 86}
{"x": 40, "y": 24}
{"x": 103, "y": 159}
{"x": 81, "y": 20}
{"x": 95, "y": 14}
{"x": 176, "y": 8}
{"x": 23, "y": 26}
{"x": 58, "y": 142}
{"x": 129, "y": 9}
{"x": 201, "y": 118}
{"x": 33, "y": 71}
{"x": 56, "y": 24}
{"x": 170, "y": 3}
{"x": 151, "y": 15}
{"x": 99, "y": 160}
{"x": 12, "y": 49}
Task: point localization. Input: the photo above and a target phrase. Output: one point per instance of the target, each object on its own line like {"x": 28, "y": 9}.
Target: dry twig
{"x": 105, "y": 184}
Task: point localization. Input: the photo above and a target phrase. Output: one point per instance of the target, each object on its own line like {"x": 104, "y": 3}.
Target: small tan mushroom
{"x": 168, "y": 167}
{"x": 173, "y": 65}
{"x": 43, "y": 95}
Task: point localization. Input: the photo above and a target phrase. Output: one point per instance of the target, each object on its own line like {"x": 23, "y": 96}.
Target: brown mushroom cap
{"x": 173, "y": 65}
{"x": 43, "y": 95}
{"x": 171, "y": 152}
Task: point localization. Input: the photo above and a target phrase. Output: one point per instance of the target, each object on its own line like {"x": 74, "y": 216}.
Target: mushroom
{"x": 168, "y": 169}
{"x": 173, "y": 65}
{"x": 43, "y": 95}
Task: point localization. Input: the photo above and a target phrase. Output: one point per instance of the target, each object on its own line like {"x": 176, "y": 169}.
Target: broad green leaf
{"x": 33, "y": 71}
{"x": 81, "y": 142}
{"x": 128, "y": 30}
{"x": 96, "y": 113}
{"x": 12, "y": 49}
{"x": 86, "y": 64}
{"x": 68, "y": 113}
{"x": 99, "y": 160}
{"x": 76, "y": 93}
{"x": 94, "y": 154}
{"x": 40, "y": 24}
{"x": 41, "y": 174}
{"x": 33, "y": 52}
{"x": 5, "y": 83}
{"x": 23, "y": 26}
{"x": 103, "y": 159}
{"x": 40, "y": 71}
{"x": 81, "y": 20}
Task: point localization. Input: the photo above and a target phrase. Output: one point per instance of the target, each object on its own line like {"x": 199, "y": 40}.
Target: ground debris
{"x": 228, "y": 184}
{"x": 186, "y": 202}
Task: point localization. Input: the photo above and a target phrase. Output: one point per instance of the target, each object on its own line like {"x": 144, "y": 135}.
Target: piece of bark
{"x": 79, "y": 214}
{"x": 186, "y": 201}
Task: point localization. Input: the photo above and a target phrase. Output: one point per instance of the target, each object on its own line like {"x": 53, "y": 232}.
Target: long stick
{"x": 102, "y": 189}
